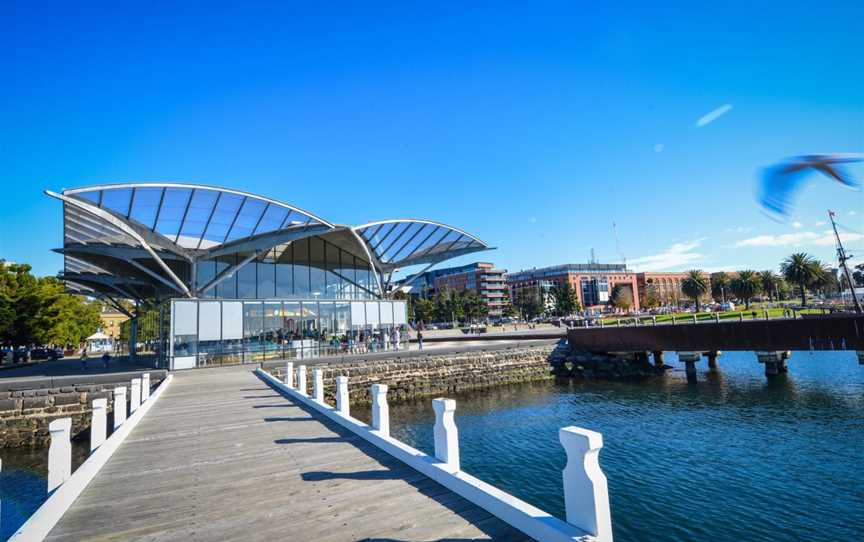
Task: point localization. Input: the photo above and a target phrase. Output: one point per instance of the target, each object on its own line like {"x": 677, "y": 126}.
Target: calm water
{"x": 730, "y": 458}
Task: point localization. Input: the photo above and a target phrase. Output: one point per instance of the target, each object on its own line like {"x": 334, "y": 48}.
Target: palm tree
{"x": 802, "y": 270}
{"x": 720, "y": 285}
{"x": 769, "y": 281}
{"x": 746, "y": 285}
{"x": 695, "y": 285}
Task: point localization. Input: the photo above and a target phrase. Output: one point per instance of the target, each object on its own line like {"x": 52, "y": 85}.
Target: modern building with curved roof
{"x": 240, "y": 277}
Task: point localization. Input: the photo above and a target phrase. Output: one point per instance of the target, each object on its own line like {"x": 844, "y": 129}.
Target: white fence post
{"x": 586, "y": 494}
{"x": 135, "y": 395}
{"x": 446, "y": 433}
{"x": 119, "y": 406}
{"x": 59, "y": 453}
{"x": 380, "y": 409}
{"x": 342, "y": 404}
{"x": 318, "y": 385}
{"x": 289, "y": 374}
{"x": 301, "y": 379}
{"x": 98, "y": 425}
{"x": 145, "y": 387}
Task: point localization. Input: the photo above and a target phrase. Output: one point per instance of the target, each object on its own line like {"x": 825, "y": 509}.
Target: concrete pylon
{"x": 658, "y": 358}
{"x": 860, "y": 354}
{"x": 689, "y": 359}
{"x": 775, "y": 361}
{"x": 712, "y": 358}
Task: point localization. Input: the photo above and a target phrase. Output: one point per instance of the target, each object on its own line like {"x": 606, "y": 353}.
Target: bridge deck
{"x": 222, "y": 456}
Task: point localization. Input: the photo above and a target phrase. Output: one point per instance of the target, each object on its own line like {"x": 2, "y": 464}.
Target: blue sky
{"x": 534, "y": 127}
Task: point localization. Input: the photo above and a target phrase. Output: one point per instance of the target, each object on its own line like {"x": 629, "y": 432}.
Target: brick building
{"x": 592, "y": 282}
{"x": 481, "y": 277}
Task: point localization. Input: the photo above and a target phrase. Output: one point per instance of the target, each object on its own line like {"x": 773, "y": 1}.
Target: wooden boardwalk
{"x": 222, "y": 456}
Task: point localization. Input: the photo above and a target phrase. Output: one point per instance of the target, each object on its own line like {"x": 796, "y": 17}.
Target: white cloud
{"x": 710, "y": 117}
{"x": 820, "y": 223}
{"x": 797, "y": 225}
{"x": 853, "y": 213}
{"x": 659, "y": 147}
{"x": 826, "y": 238}
{"x": 740, "y": 229}
{"x": 677, "y": 255}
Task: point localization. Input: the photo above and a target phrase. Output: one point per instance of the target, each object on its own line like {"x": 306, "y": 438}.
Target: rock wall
{"x": 26, "y": 413}
{"x": 433, "y": 375}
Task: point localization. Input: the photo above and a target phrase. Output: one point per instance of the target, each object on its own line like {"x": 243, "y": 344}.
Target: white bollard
{"x": 289, "y": 374}
{"x": 446, "y": 433}
{"x": 301, "y": 379}
{"x": 586, "y": 494}
{"x": 59, "y": 453}
{"x": 119, "y": 406}
{"x": 342, "y": 404}
{"x": 380, "y": 410}
{"x": 135, "y": 395}
{"x": 98, "y": 423}
{"x": 318, "y": 385}
{"x": 145, "y": 387}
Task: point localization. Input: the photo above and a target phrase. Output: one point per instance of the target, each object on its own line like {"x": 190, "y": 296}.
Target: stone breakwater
{"x": 26, "y": 413}
{"x": 625, "y": 367}
{"x": 432, "y": 375}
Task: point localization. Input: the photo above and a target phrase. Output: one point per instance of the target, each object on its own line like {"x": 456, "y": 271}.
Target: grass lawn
{"x": 685, "y": 317}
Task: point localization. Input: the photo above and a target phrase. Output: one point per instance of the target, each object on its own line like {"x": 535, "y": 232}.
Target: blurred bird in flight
{"x": 781, "y": 181}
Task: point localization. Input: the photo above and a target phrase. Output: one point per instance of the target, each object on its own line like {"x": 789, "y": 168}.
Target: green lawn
{"x": 686, "y": 317}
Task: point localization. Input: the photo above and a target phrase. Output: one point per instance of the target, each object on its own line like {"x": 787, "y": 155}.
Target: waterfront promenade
{"x": 222, "y": 456}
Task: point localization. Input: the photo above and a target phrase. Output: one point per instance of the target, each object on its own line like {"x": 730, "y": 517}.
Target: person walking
{"x": 84, "y": 357}
{"x": 106, "y": 360}
{"x": 420, "y": 339}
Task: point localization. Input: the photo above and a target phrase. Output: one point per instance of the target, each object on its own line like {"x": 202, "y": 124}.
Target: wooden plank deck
{"x": 222, "y": 456}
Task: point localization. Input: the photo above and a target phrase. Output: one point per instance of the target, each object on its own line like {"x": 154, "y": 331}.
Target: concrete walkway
{"x": 222, "y": 456}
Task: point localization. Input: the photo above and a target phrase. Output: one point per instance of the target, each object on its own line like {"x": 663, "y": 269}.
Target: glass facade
{"x": 207, "y": 333}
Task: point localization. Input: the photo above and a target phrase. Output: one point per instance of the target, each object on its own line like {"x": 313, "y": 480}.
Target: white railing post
{"x": 342, "y": 404}
{"x": 145, "y": 387}
{"x": 98, "y": 425}
{"x": 318, "y": 385}
{"x": 446, "y": 433}
{"x": 380, "y": 409}
{"x": 301, "y": 379}
{"x": 586, "y": 494}
{"x": 119, "y": 406}
{"x": 59, "y": 453}
{"x": 289, "y": 374}
{"x": 135, "y": 395}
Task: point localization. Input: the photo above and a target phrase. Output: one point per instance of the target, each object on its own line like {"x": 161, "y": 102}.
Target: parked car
{"x": 46, "y": 353}
{"x": 21, "y": 355}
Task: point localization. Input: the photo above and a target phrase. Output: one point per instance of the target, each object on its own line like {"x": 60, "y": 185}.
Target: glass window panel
{"x": 146, "y": 205}
{"x": 358, "y": 314}
{"x": 301, "y": 269}
{"x": 266, "y": 277}
{"x": 253, "y": 329}
{"x": 223, "y": 217}
{"x": 247, "y": 277}
{"x": 173, "y": 207}
{"x": 272, "y": 219}
{"x": 326, "y": 321}
{"x": 232, "y": 320}
{"x": 247, "y": 219}
{"x": 309, "y": 331}
{"x": 391, "y": 243}
{"x": 400, "y": 312}
{"x": 272, "y": 333}
{"x": 372, "y": 314}
{"x": 210, "y": 321}
{"x": 386, "y": 310}
{"x": 227, "y": 289}
{"x": 200, "y": 208}
{"x": 206, "y": 271}
{"x": 185, "y": 318}
{"x": 291, "y": 328}
{"x": 317, "y": 280}
{"x": 92, "y": 196}
{"x": 117, "y": 200}
{"x": 334, "y": 281}
{"x": 429, "y": 241}
{"x": 364, "y": 279}
{"x": 409, "y": 235}
{"x": 284, "y": 271}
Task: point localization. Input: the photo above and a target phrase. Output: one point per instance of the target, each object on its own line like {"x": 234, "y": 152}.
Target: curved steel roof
{"x": 144, "y": 239}
{"x": 405, "y": 242}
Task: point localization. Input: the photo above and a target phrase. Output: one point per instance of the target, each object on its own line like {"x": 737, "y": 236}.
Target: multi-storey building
{"x": 592, "y": 282}
{"x": 481, "y": 277}
{"x": 664, "y": 287}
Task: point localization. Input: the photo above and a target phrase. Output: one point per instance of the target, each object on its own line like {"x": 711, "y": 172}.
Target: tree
{"x": 621, "y": 297}
{"x": 473, "y": 305}
{"x": 695, "y": 285}
{"x": 801, "y": 270}
{"x": 39, "y": 311}
{"x": 746, "y": 286}
{"x": 651, "y": 299}
{"x": 858, "y": 275}
{"x": 720, "y": 286}
{"x": 566, "y": 302}
{"x": 424, "y": 310}
{"x": 528, "y": 304}
{"x": 768, "y": 280}
{"x": 826, "y": 283}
